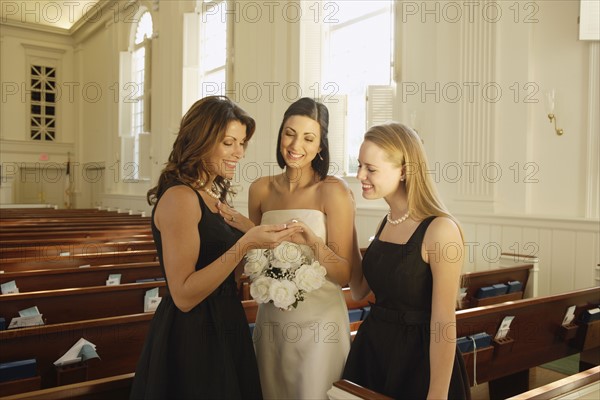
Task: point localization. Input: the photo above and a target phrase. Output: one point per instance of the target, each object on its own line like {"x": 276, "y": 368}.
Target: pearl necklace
{"x": 396, "y": 221}
{"x": 212, "y": 194}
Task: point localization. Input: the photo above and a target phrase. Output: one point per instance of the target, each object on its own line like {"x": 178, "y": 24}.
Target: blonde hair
{"x": 404, "y": 148}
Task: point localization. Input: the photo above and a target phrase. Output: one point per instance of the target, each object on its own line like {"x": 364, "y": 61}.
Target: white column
{"x": 477, "y": 124}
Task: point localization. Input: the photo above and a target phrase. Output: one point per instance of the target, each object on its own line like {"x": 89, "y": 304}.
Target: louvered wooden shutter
{"x": 380, "y": 105}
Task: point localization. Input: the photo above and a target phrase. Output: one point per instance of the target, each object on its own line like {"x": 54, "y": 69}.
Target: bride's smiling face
{"x": 378, "y": 176}
{"x": 300, "y": 141}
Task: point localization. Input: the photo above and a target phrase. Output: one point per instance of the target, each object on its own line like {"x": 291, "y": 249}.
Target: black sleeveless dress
{"x": 206, "y": 353}
{"x": 390, "y": 353}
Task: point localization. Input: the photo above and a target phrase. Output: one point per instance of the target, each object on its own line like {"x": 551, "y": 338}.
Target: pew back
{"x": 77, "y": 304}
{"x": 536, "y": 334}
{"x": 473, "y": 281}
{"x": 118, "y": 341}
{"x": 50, "y": 279}
{"x": 77, "y": 260}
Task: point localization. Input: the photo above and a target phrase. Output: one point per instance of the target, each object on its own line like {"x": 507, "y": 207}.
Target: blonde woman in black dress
{"x": 406, "y": 347}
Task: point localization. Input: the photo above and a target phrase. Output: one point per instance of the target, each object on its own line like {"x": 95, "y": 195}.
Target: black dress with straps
{"x": 390, "y": 353}
{"x": 206, "y": 353}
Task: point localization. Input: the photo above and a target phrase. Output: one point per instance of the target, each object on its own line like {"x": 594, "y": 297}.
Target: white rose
{"x": 310, "y": 277}
{"x": 255, "y": 265}
{"x": 255, "y": 254}
{"x": 259, "y": 289}
{"x": 283, "y": 265}
{"x": 288, "y": 252}
{"x": 283, "y": 293}
{"x": 307, "y": 252}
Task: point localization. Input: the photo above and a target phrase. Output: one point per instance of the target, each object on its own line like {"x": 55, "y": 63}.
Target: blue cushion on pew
{"x": 482, "y": 339}
{"x": 2, "y": 324}
{"x": 465, "y": 343}
{"x": 144, "y": 280}
{"x": 500, "y": 288}
{"x": 10, "y": 371}
{"x": 486, "y": 291}
{"x": 590, "y": 315}
{"x": 355, "y": 315}
{"x": 514, "y": 286}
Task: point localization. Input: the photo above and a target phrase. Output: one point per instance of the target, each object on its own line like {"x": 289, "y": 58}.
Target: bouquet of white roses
{"x": 283, "y": 275}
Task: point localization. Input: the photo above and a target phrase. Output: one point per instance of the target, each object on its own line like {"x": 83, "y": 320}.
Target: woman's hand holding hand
{"x": 305, "y": 236}
{"x": 234, "y": 218}
{"x": 269, "y": 236}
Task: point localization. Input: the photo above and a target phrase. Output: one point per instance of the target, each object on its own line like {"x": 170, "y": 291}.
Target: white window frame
{"x": 135, "y": 133}
{"x": 314, "y": 52}
{"x": 194, "y": 71}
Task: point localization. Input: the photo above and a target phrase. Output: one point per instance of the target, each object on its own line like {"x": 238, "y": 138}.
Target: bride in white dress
{"x": 301, "y": 352}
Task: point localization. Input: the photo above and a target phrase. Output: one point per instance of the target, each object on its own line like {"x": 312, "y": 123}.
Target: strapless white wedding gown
{"x": 301, "y": 352}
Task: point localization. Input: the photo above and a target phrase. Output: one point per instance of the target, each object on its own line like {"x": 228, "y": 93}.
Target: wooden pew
{"x": 50, "y": 279}
{"x": 585, "y": 384}
{"x": 77, "y": 260}
{"x": 11, "y": 213}
{"x": 582, "y": 385}
{"x": 116, "y": 387}
{"x": 251, "y": 309}
{"x": 475, "y": 280}
{"x": 60, "y": 241}
{"x": 69, "y": 305}
{"x": 54, "y": 251}
{"x": 83, "y": 222}
{"x": 118, "y": 340}
{"x": 102, "y": 232}
{"x": 36, "y": 223}
{"x": 7, "y": 232}
{"x": 347, "y": 390}
{"x": 536, "y": 337}
{"x": 9, "y": 216}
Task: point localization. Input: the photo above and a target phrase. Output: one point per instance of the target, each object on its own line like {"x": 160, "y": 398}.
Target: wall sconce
{"x": 551, "y": 116}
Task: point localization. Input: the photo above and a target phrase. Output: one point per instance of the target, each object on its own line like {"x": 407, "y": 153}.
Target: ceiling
{"x": 54, "y": 14}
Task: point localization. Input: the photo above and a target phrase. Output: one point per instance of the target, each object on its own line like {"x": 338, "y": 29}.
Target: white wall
{"x": 544, "y": 195}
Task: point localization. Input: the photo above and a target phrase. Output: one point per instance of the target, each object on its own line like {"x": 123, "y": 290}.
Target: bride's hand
{"x": 234, "y": 218}
{"x": 305, "y": 235}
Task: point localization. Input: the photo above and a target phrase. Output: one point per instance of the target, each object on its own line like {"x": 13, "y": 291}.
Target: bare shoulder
{"x": 261, "y": 185}
{"x": 335, "y": 186}
{"x": 443, "y": 230}
{"x": 337, "y": 196}
{"x": 178, "y": 202}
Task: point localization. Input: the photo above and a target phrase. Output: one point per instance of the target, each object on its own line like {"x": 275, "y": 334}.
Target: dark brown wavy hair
{"x": 202, "y": 129}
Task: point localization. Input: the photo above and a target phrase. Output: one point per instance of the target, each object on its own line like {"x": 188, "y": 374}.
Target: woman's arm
{"x": 255, "y": 194}
{"x": 358, "y": 284}
{"x": 177, "y": 216}
{"x": 444, "y": 251}
{"x": 336, "y": 255}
